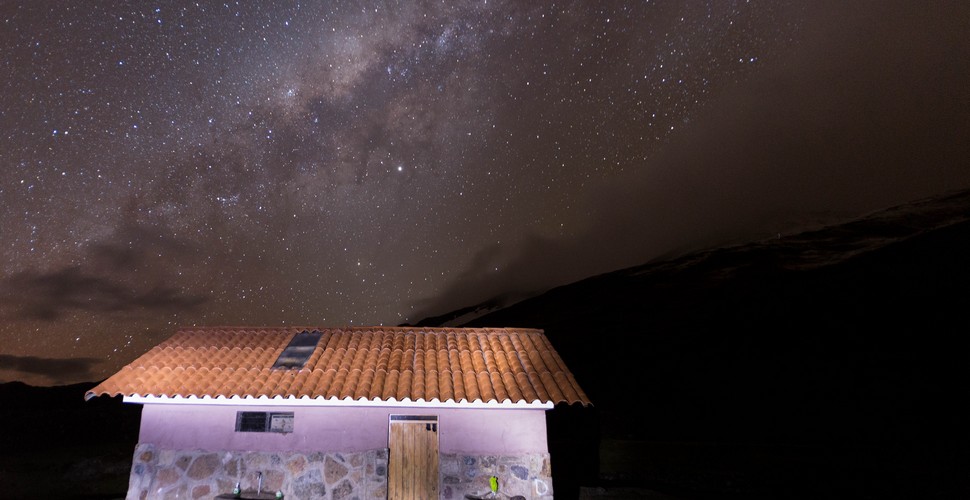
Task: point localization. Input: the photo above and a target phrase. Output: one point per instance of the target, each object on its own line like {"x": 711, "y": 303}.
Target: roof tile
{"x": 485, "y": 387}
{"x": 350, "y": 385}
{"x": 446, "y": 388}
{"x": 390, "y": 385}
{"x": 512, "y": 388}
{"x": 377, "y": 386}
{"x": 362, "y": 391}
{"x": 498, "y": 386}
{"x": 472, "y": 392}
{"x": 458, "y": 386}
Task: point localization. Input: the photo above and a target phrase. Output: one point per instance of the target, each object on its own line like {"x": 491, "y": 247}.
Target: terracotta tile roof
{"x": 359, "y": 363}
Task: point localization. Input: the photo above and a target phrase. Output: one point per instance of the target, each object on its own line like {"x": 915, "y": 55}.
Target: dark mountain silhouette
{"x": 823, "y": 364}
{"x": 464, "y": 314}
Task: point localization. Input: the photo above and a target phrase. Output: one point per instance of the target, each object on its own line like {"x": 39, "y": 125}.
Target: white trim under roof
{"x": 293, "y": 401}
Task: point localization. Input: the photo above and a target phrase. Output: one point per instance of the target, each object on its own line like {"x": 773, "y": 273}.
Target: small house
{"x": 356, "y": 412}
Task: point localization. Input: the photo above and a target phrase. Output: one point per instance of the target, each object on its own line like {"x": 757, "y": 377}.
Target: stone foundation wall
{"x": 520, "y": 477}
{"x": 164, "y": 474}
{"x": 169, "y": 474}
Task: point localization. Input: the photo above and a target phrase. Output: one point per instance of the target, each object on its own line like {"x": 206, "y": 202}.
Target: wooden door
{"x": 412, "y": 469}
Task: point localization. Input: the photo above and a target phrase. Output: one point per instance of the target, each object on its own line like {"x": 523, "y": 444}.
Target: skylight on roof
{"x": 299, "y": 349}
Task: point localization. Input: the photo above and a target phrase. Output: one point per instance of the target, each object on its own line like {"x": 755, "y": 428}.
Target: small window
{"x": 299, "y": 350}
{"x": 262, "y": 421}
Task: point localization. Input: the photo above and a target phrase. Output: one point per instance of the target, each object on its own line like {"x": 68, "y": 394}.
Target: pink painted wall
{"x": 212, "y": 427}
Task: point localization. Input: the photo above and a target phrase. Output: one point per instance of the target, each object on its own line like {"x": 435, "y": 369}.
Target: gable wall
{"x": 345, "y": 429}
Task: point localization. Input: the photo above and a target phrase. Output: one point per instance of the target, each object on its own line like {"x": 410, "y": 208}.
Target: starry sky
{"x": 343, "y": 163}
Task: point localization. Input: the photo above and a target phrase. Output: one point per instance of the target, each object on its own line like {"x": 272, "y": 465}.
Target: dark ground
{"x": 56, "y": 445}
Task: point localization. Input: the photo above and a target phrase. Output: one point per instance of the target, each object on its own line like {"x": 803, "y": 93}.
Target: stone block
{"x": 333, "y": 470}
{"x": 201, "y": 491}
{"x": 309, "y": 485}
{"x": 167, "y": 477}
{"x": 448, "y": 464}
{"x": 273, "y": 479}
{"x": 224, "y": 485}
{"x": 378, "y": 491}
{"x": 343, "y": 490}
{"x": 520, "y": 472}
{"x": 234, "y": 467}
{"x": 166, "y": 457}
{"x": 254, "y": 461}
{"x": 204, "y": 466}
{"x": 296, "y": 465}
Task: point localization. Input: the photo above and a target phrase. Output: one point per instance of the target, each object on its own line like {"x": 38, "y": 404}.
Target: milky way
{"x": 331, "y": 163}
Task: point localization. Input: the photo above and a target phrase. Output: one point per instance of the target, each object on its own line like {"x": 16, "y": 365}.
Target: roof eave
{"x": 335, "y": 402}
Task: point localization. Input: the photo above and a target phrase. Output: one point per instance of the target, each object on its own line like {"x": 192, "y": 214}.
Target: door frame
{"x": 399, "y": 457}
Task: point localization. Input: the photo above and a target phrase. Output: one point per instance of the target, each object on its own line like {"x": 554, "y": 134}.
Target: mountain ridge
{"x": 883, "y": 226}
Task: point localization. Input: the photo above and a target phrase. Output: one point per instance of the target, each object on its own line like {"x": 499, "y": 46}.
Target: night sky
{"x": 336, "y": 163}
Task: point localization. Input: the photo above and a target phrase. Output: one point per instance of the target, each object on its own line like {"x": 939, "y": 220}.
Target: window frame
{"x": 269, "y": 418}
